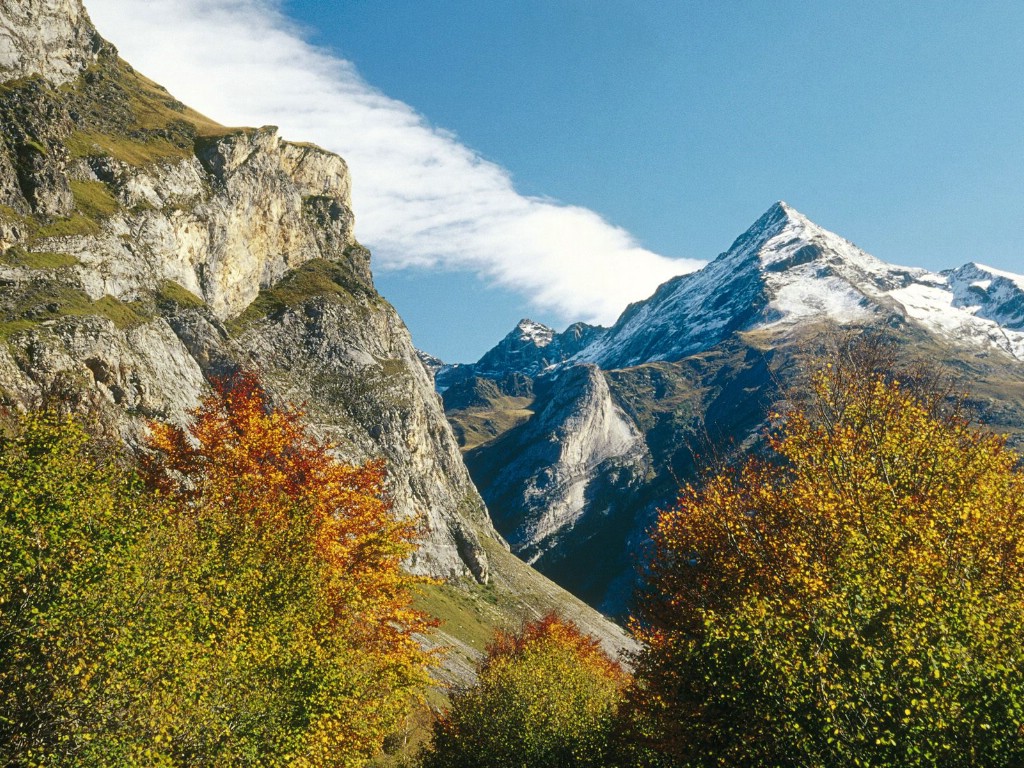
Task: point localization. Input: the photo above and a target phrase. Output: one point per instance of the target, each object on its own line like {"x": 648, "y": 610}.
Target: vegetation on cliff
{"x": 241, "y": 604}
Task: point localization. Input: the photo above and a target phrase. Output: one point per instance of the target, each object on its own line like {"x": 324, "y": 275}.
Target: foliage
{"x": 858, "y": 600}
{"x": 69, "y": 517}
{"x": 546, "y": 696}
{"x": 247, "y": 608}
{"x": 292, "y": 616}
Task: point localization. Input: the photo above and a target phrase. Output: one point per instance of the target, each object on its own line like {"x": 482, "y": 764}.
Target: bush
{"x": 546, "y": 696}
{"x": 855, "y": 599}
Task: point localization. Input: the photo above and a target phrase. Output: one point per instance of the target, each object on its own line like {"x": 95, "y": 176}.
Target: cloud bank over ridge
{"x": 422, "y": 199}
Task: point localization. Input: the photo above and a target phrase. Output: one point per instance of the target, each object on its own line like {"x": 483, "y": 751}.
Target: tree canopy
{"x": 243, "y": 604}
{"x": 546, "y": 696}
{"x": 853, "y": 598}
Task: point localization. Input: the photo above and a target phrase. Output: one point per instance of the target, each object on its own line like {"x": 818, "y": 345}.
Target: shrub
{"x": 855, "y": 599}
{"x": 546, "y": 696}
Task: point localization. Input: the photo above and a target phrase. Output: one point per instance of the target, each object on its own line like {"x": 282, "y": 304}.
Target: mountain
{"x": 574, "y": 470}
{"x": 786, "y": 270}
{"x": 146, "y": 250}
{"x": 529, "y": 349}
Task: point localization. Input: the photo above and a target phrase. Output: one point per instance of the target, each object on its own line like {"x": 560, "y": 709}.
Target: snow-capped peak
{"x": 785, "y": 269}
{"x": 536, "y": 333}
{"x": 988, "y": 293}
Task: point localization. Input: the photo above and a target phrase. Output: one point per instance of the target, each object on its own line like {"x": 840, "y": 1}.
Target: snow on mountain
{"x": 786, "y": 269}
{"x": 534, "y": 333}
{"x": 989, "y": 293}
{"x": 431, "y": 363}
{"x": 529, "y": 348}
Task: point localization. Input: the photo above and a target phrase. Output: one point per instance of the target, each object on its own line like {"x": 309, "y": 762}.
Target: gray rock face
{"x": 51, "y": 38}
{"x": 223, "y": 224}
{"x": 548, "y": 480}
{"x": 145, "y": 249}
{"x": 351, "y": 361}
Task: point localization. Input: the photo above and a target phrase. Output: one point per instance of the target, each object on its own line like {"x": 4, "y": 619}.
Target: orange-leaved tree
{"x": 285, "y": 617}
{"x": 855, "y": 598}
{"x": 546, "y": 696}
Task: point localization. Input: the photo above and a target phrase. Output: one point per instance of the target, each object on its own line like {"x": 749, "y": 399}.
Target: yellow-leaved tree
{"x": 245, "y": 607}
{"x": 288, "y": 617}
{"x": 546, "y": 698}
{"x": 854, "y": 598}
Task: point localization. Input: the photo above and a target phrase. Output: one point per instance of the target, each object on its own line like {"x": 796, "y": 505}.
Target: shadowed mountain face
{"x": 686, "y": 378}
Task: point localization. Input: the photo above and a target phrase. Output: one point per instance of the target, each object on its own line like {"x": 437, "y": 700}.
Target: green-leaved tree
{"x": 546, "y": 698}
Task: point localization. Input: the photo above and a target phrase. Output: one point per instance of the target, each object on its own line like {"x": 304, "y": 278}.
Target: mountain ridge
{"x": 696, "y": 367}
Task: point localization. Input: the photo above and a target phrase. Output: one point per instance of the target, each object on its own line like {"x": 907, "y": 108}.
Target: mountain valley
{"x": 575, "y": 440}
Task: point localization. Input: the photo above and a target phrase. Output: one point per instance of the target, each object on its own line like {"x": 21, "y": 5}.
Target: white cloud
{"x": 421, "y": 198}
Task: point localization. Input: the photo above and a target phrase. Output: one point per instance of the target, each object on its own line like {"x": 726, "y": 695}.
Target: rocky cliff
{"x": 54, "y": 40}
{"x": 566, "y": 463}
{"x": 145, "y": 249}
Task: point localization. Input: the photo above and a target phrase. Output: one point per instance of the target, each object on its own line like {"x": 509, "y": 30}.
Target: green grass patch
{"x": 49, "y": 300}
{"x": 155, "y": 108}
{"x": 479, "y": 425}
{"x": 128, "y": 117}
{"x": 94, "y": 199}
{"x": 463, "y": 613}
{"x": 9, "y": 214}
{"x": 123, "y": 315}
{"x": 19, "y": 84}
{"x": 177, "y": 295}
{"x": 74, "y": 225}
{"x": 35, "y": 145}
{"x": 126, "y": 149}
{"x": 9, "y": 330}
{"x": 315, "y": 278}
{"x": 19, "y": 257}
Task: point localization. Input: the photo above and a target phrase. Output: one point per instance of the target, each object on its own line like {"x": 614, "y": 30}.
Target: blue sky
{"x": 897, "y": 125}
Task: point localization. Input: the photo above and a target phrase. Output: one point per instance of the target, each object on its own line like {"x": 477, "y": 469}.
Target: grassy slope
{"x": 478, "y": 425}
{"x": 469, "y": 615}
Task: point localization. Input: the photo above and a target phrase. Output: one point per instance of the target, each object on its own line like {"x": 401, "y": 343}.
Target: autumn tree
{"x": 546, "y": 696}
{"x": 245, "y": 607}
{"x": 287, "y": 618}
{"x": 855, "y": 598}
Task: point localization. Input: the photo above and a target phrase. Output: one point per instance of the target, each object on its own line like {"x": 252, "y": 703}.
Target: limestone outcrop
{"x": 144, "y": 249}
{"x": 51, "y": 38}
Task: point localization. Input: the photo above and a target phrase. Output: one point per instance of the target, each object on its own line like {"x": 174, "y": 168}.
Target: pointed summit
{"x": 533, "y": 332}
{"x": 780, "y": 212}
{"x": 783, "y": 269}
{"x": 781, "y": 217}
